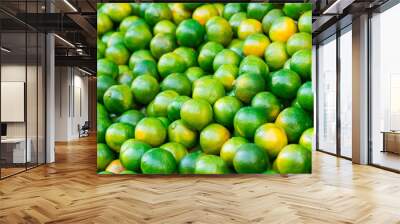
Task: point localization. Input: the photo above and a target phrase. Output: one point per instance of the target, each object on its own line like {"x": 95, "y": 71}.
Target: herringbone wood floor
{"x": 69, "y": 191}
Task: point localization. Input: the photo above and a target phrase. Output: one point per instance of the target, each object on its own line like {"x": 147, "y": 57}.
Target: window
{"x": 327, "y": 95}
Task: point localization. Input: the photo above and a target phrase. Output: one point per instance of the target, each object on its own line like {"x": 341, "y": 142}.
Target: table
{"x": 18, "y": 150}
{"x": 391, "y": 141}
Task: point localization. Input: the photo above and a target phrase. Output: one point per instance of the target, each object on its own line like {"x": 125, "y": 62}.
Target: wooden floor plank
{"x": 69, "y": 191}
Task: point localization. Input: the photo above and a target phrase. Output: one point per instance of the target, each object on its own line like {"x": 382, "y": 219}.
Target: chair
{"x": 84, "y": 129}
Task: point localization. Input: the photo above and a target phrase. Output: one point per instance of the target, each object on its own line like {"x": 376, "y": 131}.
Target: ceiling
{"x": 72, "y": 20}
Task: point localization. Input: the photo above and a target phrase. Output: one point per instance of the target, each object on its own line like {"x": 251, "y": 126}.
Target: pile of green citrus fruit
{"x": 204, "y": 88}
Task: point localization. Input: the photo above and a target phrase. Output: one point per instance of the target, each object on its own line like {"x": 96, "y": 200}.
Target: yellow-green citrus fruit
{"x": 248, "y": 27}
{"x": 230, "y": 147}
{"x": 180, "y": 132}
{"x": 255, "y": 44}
{"x": 271, "y": 138}
{"x": 197, "y": 113}
{"x": 282, "y": 29}
{"x": 151, "y": 131}
{"x": 177, "y": 150}
{"x": 225, "y": 109}
{"x": 205, "y": 12}
{"x": 213, "y": 137}
{"x": 269, "y": 102}
{"x": 219, "y": 30}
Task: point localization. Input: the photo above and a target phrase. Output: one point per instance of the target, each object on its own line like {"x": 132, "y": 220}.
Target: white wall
{"x": 71, "y": 102}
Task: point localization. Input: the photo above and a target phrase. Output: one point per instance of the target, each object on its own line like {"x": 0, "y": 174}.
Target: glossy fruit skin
{"x": 225, "y": 57}
{"x": 255, "y": 44}
{"x": 131, "y": 154}
{"x": 294, "y": 159}
{"x": 125, "y": 75}
{"x": 225, "y": 109}
{"x": 258, "y": 10}
{"x": 117, "y": 134}
{"x": 213, "y": 137}
{"x": 210, "y": 164}
{"x": 127, "y": 172}
{"x": 107, "y": 67}
{"x": 162, "y": 101}
{"x": 194, "y": 73}
{"x": 180, "y": 132}
{"x": 254, "y": 65}
{"x": 115, "y": 167}
{"x": 269, "y": 102}
{"x": 118, "y": 98}
{"x": 165, "y": 121}
{"x": 226, "y": 74}
{"x": 115, "y": 38}
{"x": 230, "y": 9}
{"x": 174, "y": 109}
{"x": 294, "y": 10}
{"x": 305, "y": 96}
{"x": 271, "y": 138}
{"x": 301, "y": 63}
{"x": 219, "y": 30}
{"x": 197, "y": 113}
{"x": 139, "y": 56}
{"x": 247, "y": 86}
{"x": 237, "y": 46}
{"x": 248, "y": 27}
{"x": 209, "y": 89}
{"x": 103, "y": 83}
{"x": 156, "y": 13}
{"x": 275, "y": 55}
{"x": 306, "y": 139}
{"x": 104, "y": 23}
{"x": 247, "y": 120}
{"x": 151, "y": 131}
{"x": 269, "y": 19}
{"x": 285, "y": 83}
{"x": 294, "y": 121}
{"x": 170, "y": 63}
{"x": 229, "y": 149}
{"x": 282, "y": 29}
{"x": 126, "y": 23}
{"x": 101, "y": 49}
{"x": 188, "y": 163}
{"x": 137, "y": 38}
{"x": 117, "y": 11}
{"x": 161, "y": 44}
{"x": 104, "y": 156}
{"x": 158, "y": 161}
{"x": 145, "y": 88}
{"x": 299, "y": 41}
{"x": 189, "y": 55}
{"x": 235, "y": 21}
{"x": 102, "y": 126}
{"x": 180, "y": 13}
{"x": 205, "y": 12}
{"x": 250, "y": 158}
{"x": 131, "y": 117}
{"x": 190, "y": 33}
{"x": 145, "y": 67}
{"x": 177, "y": 82}
{"x": 207, "y": 55}
{"x": 164, "y": 26}
{"x": 177, "y": 150}
{"x": 305, "y": 22}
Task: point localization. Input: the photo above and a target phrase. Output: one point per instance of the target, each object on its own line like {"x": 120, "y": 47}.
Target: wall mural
{"x": 204, "y": 88}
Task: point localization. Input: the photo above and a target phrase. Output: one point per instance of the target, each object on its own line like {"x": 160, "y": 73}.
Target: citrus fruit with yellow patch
{"x": 255, "y": 44}
{"x": 197, "y": 113}
{"x": 248, "y": 27}
{"x": 282, "y": 29}
{"x": 117, "y": 134}
{"x": 230, "y": 147}
{"x": 151, "y": 130}
{"x": 294, "y": 159}
{"x": 213, "y": 137}
{"x": 131, "y": 153}
{"x": 205, "y": 12}
{"x": 180, "y": 132}
{"x": 271, "y": 138}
